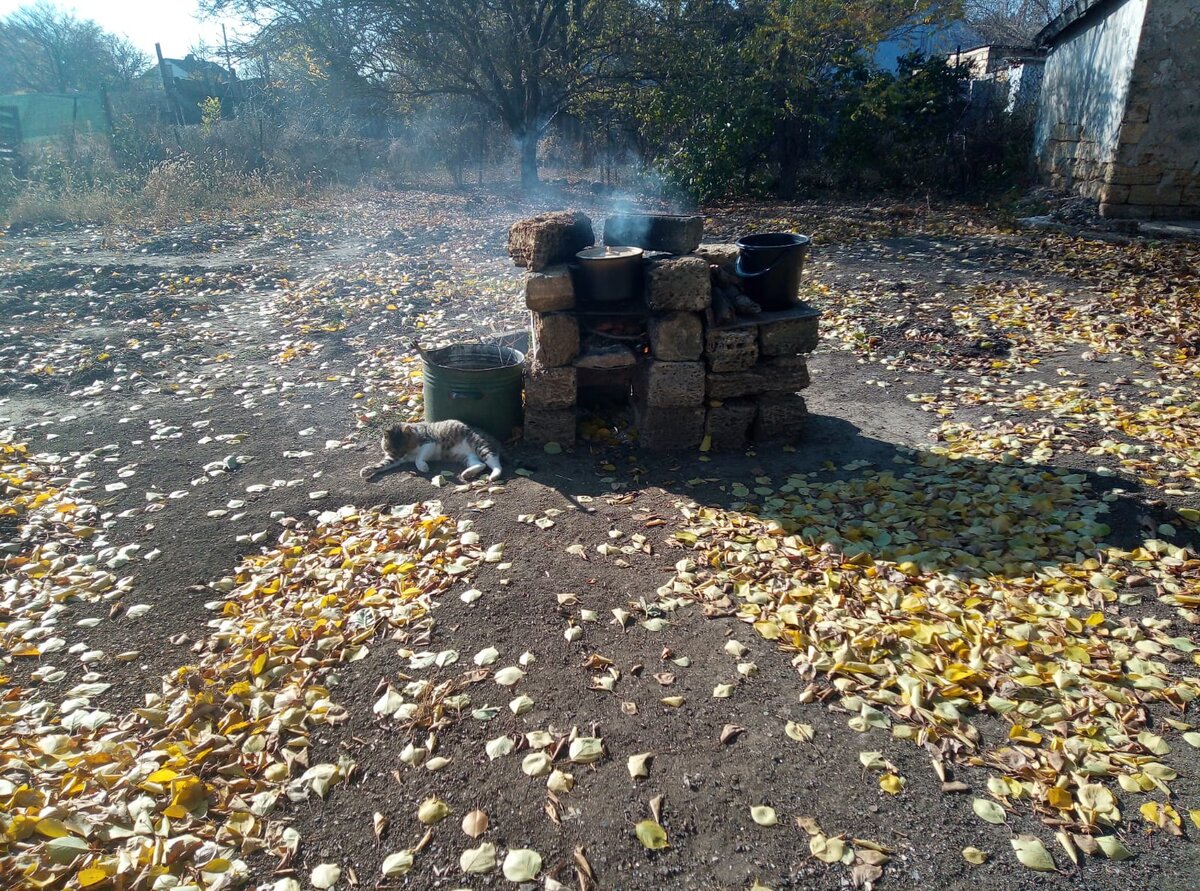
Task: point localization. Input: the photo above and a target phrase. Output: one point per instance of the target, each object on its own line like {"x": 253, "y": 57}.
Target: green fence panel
{"x": 51, "y": 115}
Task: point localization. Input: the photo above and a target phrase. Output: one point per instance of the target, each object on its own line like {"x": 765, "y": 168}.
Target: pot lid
{"x": 608, "y": 252}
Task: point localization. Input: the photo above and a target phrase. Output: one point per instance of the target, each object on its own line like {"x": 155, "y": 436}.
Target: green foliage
{"x": 749, "y": 97}
{"x": 210, "y": 114}
{"x": 898, "y": 131}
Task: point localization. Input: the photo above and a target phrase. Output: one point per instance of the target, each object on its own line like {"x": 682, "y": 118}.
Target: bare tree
{"x": 524, "y": 61}
{"x": 44, "y": 49}
{"x": 1011, "y": 22}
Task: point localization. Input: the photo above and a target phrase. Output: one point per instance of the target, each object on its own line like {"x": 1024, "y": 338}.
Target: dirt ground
{"x": 211, "y": 382}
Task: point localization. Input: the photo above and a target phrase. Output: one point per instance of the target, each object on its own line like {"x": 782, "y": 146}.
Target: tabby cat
{"x": 437, "y": 441}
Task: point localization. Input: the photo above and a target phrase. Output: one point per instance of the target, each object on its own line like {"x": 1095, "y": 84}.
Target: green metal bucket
{"x": 477, "y": 383}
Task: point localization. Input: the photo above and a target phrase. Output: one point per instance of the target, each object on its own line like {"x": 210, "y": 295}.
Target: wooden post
{"x": 482, "y": 143}
{"x": 74, "y": 120}
{"x": 172, "y": 101}
{"x": 108, "y": 114}
{"x": 228, "y": 55}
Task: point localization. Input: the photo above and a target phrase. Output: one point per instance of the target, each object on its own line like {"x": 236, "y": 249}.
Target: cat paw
{"x": 367, "y": 472}
{"x": 423, "y": 467}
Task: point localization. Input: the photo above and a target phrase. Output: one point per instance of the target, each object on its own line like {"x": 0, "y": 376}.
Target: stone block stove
{"x": 687, "y": 350}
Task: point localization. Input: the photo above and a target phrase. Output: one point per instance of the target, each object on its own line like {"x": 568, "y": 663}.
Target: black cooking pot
{"x": 609, "y": 274}
{"x": 769, "y": 267}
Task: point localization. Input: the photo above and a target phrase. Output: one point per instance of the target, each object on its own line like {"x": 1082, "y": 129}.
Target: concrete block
{"x": 550, "y": 290}
{"x": 723, "y": 255}
{"x": 555, "y": 339}
{"x": 788, "y": 336}
{"x": 678, "y": 283}
{"x": 672, "y": 233}
{"x": 543, "y": 425}
{"x": 755, "y": 381}
{"x": 549, "y": 238}
{"x": 728, "y": 425}
{"x": 780, "y": 418}
{"x": 657, "y": 383}
{"x": 731, "y": 350}
{"x": 676, "y": 336}
{"x": 550, "y": 387}
{"x": 668, "y": 428}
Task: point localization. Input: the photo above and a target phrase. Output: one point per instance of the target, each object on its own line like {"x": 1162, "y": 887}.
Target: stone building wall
{"x": 1083, "y": 96}
{"x": 1156, "y": 168}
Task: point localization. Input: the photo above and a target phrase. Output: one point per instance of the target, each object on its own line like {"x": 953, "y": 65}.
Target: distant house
{"x": 187, "y": 82}
{"x": 1007, "y": 76}
{"x": 929, "y": 38}
{"x": 1119, "y": 113}
{"x": 194, "y": 69}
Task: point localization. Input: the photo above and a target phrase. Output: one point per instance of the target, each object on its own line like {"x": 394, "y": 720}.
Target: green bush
{"x": 899, "y": 131}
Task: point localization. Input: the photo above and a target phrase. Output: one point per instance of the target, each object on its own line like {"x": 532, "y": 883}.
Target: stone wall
{"x": 1083, "y": 97}
{"x": 1119, "y": 113}
{"x": 1156, "y": 169}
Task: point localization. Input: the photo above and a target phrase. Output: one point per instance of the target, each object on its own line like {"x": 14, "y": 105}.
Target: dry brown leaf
{"x": 475, "y": 823}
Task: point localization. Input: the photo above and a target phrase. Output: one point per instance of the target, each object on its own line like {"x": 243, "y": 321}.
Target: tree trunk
{"x": 529, "y": 164}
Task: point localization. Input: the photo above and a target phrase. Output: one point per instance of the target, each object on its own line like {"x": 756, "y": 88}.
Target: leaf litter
{"x": 871, "y": 714}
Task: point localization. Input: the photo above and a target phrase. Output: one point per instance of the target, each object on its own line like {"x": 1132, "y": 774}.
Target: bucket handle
{"x": 466, "y": 394}
{"x": 741, "y": 273}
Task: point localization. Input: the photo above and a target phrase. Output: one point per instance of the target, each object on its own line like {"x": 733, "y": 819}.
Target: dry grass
{"x": 84, "y": 185}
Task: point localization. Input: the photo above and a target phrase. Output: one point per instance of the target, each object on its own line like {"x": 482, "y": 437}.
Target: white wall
{"x": 1086, "y": 83}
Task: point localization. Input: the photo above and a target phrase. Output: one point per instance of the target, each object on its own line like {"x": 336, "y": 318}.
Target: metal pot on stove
{"x": 607, "y": 274}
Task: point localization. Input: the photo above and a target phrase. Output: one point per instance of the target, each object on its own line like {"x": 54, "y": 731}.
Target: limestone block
{"x": 731, "y": 350}
{"x": 549, "y": 238}
{"x": 550, "y": 290}
{"x": 1144, "y": 175}
{"x": 555, "y": 338}
{"x": 723, "y": 255}
{"x": 676, "y": 336}
{"x": 1132, "y": 132}
{"x": 672, "y": 233}
{"x": 550, "y": 387}
{"x": 727, "y": 425}
{"x": 780, "y": 418}
{"x": 788, "y": 337}
{"x": 760, "y": 379}
{"x": 678, "y": 283}
{"x": 543, "y": 425}
{"x": 657, "y": 383}
{"x": 1113, "y": 194}
{"x": 1156, "y": 194}
{"x": 1126, "y": 211}
{"x": 1137, "y": 111}
{"x": 667, "y": 428}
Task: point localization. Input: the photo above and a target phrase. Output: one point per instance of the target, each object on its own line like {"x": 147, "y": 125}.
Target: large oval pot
{"x": 769, "y": 266}
{"x": 609, "y": 275}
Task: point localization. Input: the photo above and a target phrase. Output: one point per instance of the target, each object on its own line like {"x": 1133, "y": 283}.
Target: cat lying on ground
{"x": 437, "y": 441}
